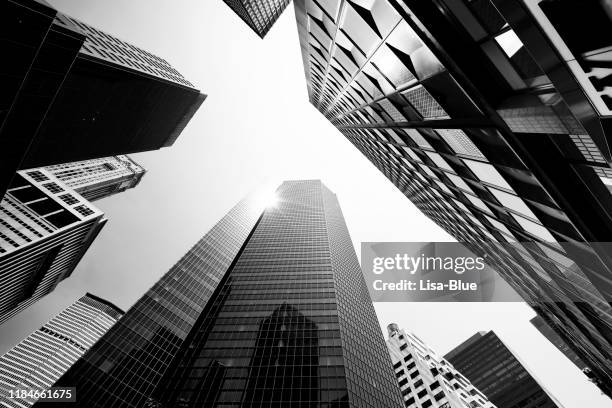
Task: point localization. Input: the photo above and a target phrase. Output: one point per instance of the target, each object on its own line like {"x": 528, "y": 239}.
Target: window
{"x": 54, "y": 188}
{"x": 83, "y": 210}
{"x": 513, "y": 202}
{"x": 68, "y": 199}
{"x": 439, "y": 161}
{"x": 487, "y": 173}
{"x": 37, "y": 176}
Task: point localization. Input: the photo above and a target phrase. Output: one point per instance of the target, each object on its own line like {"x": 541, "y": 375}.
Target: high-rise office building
{"x": 427, "y": 380}
{"x": 269, "y": 309}
{"x": 99, "y": 178}
{"x": 492, "y": 117}
{"x": 45, "y": 229}
{"x": 42, "y": 357}
{"x": 260, "y": 15}
{"x": 486, "y": 361}
{"x": 101, "y": 95}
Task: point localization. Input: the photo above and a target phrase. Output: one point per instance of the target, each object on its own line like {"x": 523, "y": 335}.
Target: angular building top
{"x": 99, "y": 178}
{"x": 260, "y": 15}
{"x": 45, "y": 229}
{"x": 102, "y": 96}
{"x": 427, "y": 380}
{"x": 478, "y": 112}
{"x": 269, "y": 309}
{"x": 41, "y": 358}
{"x": 488, "y": 363}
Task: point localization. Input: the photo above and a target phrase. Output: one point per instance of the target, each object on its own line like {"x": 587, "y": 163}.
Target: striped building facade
{"x": 45, "y": 229}
{"x": 41, "y": 358}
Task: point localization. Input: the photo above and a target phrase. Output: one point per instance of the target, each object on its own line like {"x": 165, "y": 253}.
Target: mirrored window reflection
{"x": 439, "y": 161}
{"x": 487, "y": 173}
{"x": 513, "y": 202}
{"x": 478, "y": 203}
{"x": 534, "y": 229}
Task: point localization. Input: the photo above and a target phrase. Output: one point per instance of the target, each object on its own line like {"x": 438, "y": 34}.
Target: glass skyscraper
{"x": 42, "y": 357}
{"x": 488, "y": 363}
{"x": 270, "y": 309}
{"x": 492, "y": 117}
{"x": 259, "y": 15}
{"x": 101, "y": 96}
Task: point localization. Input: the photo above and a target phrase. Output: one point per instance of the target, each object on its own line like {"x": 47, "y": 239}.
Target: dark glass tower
{"x": 486, "y": 361}
{"x": 76, "y": 93}
{"x": 493, "y": 118}
{"x": 125, "y": 366}
{"x": 260, "y": 15}
{"x": 285, "y": 320}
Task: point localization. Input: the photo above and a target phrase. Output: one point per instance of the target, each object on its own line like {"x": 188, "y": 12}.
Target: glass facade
{"x": 92, "y": 102}
{"x": 268, "y": 310}
{"x": 459, "y": 104}
{"x": 257, "y": 14}
{"x": 126, "y": 365}
{"x": 292, "y": 323}
{"x": 486, "y": 361}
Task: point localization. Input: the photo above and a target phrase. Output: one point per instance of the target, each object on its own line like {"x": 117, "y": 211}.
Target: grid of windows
{"x": 292, "y": 323}
{"x": 53, "y": 187}
{"x": 103, "y": 45}
{"x": 125, "y": 366}
{"x": 69, "y": 199}
{"x": 41, "y": 241}
{"x": 468, "y": 160}
{"x": 432, "y": 381}
{"x": 99, "y": 178}
{"x": 84, "y": 210}
{"x": 257, "y": 14}
{"x": 39, "y": 360}
{"x": 491, "y": 366}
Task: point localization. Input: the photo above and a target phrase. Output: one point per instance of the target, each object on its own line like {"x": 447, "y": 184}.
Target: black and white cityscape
{"x": 179, "y": 180}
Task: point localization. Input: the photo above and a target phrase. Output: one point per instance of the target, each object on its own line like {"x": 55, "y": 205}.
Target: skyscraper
{"x": 45, "y": 229}
{"x": 257, "y": 14}
{"x": 492, "y": 117}
{"x": 99, "y": 178}
{"x": 102, "y": 96}
{"x": 427, "y": 380}
{"x": 42, "y": 357}
{"x": 486, "y": 361}
{"x": 283, "y": 318}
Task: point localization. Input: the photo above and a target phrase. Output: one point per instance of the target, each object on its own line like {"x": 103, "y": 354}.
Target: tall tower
{"x": 486, "y": 361}
{"x": 42, "y": 357}
{"x": 99, "y": 178}
{"x": 427, "y": 380}
{"x": 257, "y": 14}
{"x": 270, "y": 309}
{"x": 493, "y": 118}
{"x": 102, "y": 96}
{"x": 45, "y": 229}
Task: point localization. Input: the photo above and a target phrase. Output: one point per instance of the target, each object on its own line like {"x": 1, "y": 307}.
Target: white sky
{"x": 256, "y": 127}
